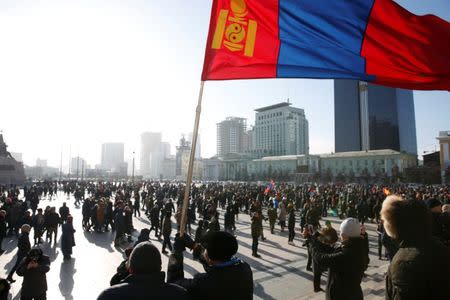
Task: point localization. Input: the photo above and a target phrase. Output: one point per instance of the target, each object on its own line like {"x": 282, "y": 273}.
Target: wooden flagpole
{"x": 187, "y": 189}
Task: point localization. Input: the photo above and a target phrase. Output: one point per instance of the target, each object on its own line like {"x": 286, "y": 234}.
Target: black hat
{"x": 145, "y": 259}
{"x": 432, "y": 203}
{"x": 221, "y": 245}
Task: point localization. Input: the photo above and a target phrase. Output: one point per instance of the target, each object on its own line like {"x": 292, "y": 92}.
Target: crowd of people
{"x": 398, "y": 211}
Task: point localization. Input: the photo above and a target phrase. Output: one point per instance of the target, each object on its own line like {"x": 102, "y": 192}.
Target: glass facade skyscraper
{"x": 373, "y": 117}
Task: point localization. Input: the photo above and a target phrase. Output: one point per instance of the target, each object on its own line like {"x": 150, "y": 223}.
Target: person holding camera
{"x": 328, "y": 237}
{"x": 225, "y": 277}
{"x": 346, "y": 264}
{"x": 23, "y": 245}
{"x": 33, "y": 269}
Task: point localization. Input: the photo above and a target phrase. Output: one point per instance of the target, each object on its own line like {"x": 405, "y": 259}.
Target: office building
{"x": 151, "y": 156}
{"x": 78, "y": 165}
{"x": 112, "y": 156}
{"x": 230, "y": 136}
{"x": 373, "y": 117}
{"x": 279, "y": 130}
{"x": 41, "y": 163}
{"x": 444, "y": 142}
{"x": 198, "y": 147}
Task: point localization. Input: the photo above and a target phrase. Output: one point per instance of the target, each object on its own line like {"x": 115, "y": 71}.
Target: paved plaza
{"x": 279, "y": 274}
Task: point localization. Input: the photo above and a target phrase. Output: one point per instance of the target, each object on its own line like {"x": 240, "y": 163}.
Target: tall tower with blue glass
{"x": 373, "y": 117}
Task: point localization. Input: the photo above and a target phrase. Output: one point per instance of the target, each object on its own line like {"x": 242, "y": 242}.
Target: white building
{"x": 41, "y": 162}
{"x": 230, "y": 136}
{"x": 112, "y": 157}
{"x": 283, "y": 165}
{"x": 198, "y": 147}
{"x": 169, "y": 168}
{"x": 78, "y": 166}
{"x": 444, "y": 141}
{"x": 281, "y": 130}
{"x": 151, "y": 156}
{"x": 165, "y": 150}
{"x": 366, "y": 163}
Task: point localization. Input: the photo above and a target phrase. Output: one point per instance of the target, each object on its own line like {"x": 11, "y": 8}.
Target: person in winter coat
{"x": 229, "y": 222}
{"x": 144, "y": 236}
{"x": 128, "y": 218}
{"x": 255, "y": 230}
{"x": 24, "y": 246}
{"x": 166, "y": 231}
{"x": 282, "y": 214}
{"x": 119, "y": 223}
{"x": 200, "y": 231}
{"x": 328, "y": 237}
{"x": 291, "y": 224}
{"x": 363, "y": 211}
{"x": 38, "y": 225}
{"x": 420, "y": 269}
{"x": 64, "y": 212}
{"x": 226, "y": 276}
{"x": 122, "y": 269}
{"x": 67, "y": 238}
{"x": 154, "y": 219}
{"x": 346, "y": 264}
{"x": 5, "y": 286}
{"x": 2, "y": 229}
{"x": 33, "y": 269}
{"x": 100, "y": 216}
{"x": 146, "y": 281}
{"x": 214, "y": 224}
{"x": 52, "y": 222}
{"x": 272, "y": 216}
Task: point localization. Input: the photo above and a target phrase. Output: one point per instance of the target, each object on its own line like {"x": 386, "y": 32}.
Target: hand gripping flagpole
{"x": 187, "y": 189}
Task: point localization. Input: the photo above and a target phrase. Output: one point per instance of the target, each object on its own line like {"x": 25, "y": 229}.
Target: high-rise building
{"x": 281, "y": 130}
{"x": 151, "y": 156}
{"x": 181, "y": 163}
{"x": 41, "y": 163}
{"x": 112, "y": 156}
{"x": 198, "y": 147}
{"x": 165, "y": 150}
{"x": 249, "y": 140}
{"x": 78, "y": 165}
{"x": 373, "y": 117}
{"x": 230, "y": 136}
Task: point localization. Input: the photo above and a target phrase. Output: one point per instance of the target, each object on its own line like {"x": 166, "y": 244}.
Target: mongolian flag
{"x": 369, "y": 40}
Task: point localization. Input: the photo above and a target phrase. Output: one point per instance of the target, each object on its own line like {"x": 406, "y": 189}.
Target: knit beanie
{"x": 351, "y": 228}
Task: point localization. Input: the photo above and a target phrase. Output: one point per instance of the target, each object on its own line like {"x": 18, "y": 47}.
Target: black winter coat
{"x": 143, "y": 287}
{"x": 34, "y": 280}
{"x": 231, "y": 280}
{"x": 419, "y": 272}
{"x": 23, "y": 245}
{"x": 2, "y": 228}
{"x": 346, "y": 268}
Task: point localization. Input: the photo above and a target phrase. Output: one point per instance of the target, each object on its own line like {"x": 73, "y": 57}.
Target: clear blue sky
{"x": 94, "y": 71}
